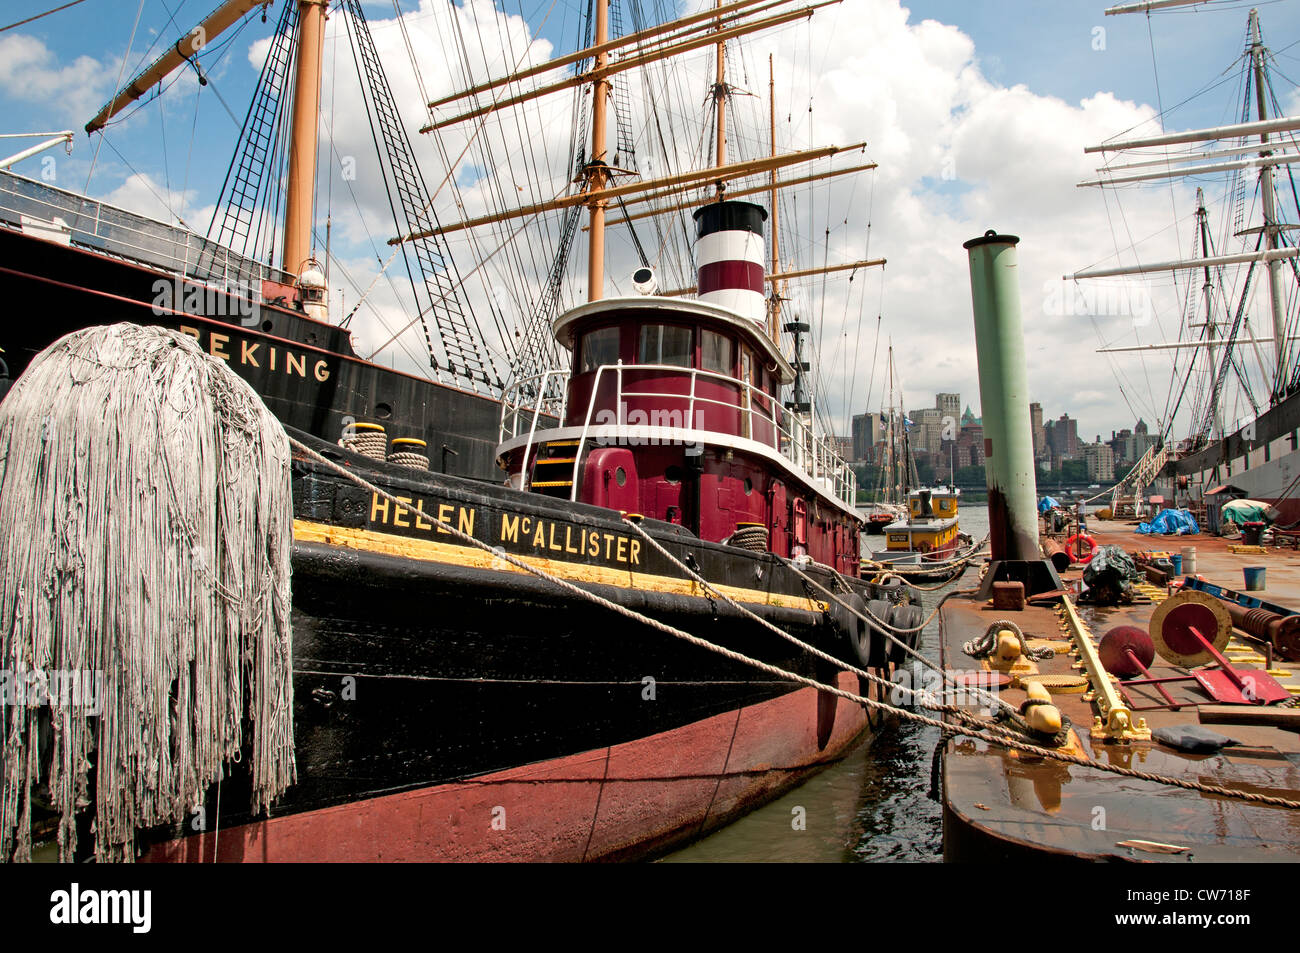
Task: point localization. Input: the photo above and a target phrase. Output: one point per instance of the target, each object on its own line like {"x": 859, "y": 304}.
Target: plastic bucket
{"x": 1178, "y": 564}
{"x": 1189, "y": 560}
{"x": 1254, "y": 577}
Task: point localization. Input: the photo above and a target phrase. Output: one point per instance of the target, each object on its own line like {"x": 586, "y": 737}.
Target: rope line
{"x": 998, "y": 738}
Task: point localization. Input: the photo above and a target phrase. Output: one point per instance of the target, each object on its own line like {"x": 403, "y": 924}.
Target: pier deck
{"x": 1006, "y": 805}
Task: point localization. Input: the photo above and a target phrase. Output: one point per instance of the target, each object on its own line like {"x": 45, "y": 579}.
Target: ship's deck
{"x": 1003, "y": 805}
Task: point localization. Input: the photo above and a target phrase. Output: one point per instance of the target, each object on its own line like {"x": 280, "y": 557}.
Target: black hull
{"x": 418, "y": 667}
{"x": 314, "y": 382}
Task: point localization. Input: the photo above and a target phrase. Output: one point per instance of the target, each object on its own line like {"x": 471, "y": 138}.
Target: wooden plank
{"x": 1250, "y": 715}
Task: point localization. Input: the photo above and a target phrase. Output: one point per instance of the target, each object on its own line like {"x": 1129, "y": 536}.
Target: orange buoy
{"x": 1076, "y": 555}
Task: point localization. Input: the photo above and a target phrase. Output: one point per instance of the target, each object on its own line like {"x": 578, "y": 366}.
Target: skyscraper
{"x": 1036, "y": 427}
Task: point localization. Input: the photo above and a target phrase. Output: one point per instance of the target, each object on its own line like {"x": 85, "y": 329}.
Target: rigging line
{"x": 145, "y": 180}
{"x": 510, "y": 238}
{"x": 1128, "y": 229}
{"x": 372, "y": 119}
{"x": 471, "y": 143}
{"x": 167, "y": 175}
{"x": 39, "y": 15}
{"x": 640, "y": 252}
{"x": 416, "y": 362}
{"x": 493, "y": 182}
{"x": 95, "y": 158}
{"x": 365, "y": 294}
{"x": 1155, "y": 72}
{"x": 194, "y": 127}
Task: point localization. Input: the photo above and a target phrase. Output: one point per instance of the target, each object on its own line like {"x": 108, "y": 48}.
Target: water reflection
{"x": 871, "y": 807}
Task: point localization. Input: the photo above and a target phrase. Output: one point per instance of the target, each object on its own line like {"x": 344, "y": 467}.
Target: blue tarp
{"x": 1047, "y": 503}
{"x": 1170, "y": 523}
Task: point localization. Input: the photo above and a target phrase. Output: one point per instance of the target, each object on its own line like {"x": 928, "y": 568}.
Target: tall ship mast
{"x": 1226, "y": 368}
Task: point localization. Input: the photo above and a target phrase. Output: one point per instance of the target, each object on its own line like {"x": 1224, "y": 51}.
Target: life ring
{"x": 1076, "y": 556}
{"x": 922, "y": 547}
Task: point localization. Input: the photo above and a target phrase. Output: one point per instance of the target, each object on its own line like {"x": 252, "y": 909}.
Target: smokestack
{"x": 729, "y": 252}
{"x": 1004, "y": 397}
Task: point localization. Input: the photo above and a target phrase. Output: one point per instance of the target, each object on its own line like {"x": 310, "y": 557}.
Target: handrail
{"x": 816, "y": 457}
{"x": 525, "y": 480}
{"x": 117, "y": 231}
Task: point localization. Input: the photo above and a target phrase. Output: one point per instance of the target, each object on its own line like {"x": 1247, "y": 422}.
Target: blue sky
{"x": 56, "y": 72}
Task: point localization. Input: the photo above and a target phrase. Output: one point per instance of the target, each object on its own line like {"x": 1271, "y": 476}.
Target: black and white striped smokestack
{"x": 729, "y": 254}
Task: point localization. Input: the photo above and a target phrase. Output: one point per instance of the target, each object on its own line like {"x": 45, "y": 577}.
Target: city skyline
{"x": 947, "y": 438}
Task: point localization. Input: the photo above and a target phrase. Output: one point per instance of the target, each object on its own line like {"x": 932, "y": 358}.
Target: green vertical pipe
{"x": 1004, "y": 397}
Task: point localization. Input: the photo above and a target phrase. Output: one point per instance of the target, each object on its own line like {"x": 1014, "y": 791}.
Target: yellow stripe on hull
{"x": 425, "y": 550}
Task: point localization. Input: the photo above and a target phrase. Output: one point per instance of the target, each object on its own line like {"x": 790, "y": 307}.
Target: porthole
{"x": 673, "y": 474}
{"x": 383, "y": 411}
{"x": 749, "y": 486}
{"x": 620, "y": 476}
{"x": 267, "y": 326}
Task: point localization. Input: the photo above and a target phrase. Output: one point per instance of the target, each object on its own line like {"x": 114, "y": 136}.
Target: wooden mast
{"x": 720, "y": 102}
{"x": 1268, "y": 203}
{"x": 597, "y": 170}
{"x": 774, "y": 312}
{"x": 182, "y": 51}
{"x": 303, "y": 137}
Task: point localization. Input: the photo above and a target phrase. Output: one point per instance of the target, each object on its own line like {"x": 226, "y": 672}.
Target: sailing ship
{"x": 1236, "y": 262}
{"x": 251, "y": 293}
{"x": 920, "y": 524}
{"x": 494, "y": 714}
{"x": 897, "y": 468}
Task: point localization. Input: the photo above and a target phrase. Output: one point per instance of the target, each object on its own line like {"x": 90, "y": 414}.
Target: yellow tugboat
{"x": 929, "y": 533}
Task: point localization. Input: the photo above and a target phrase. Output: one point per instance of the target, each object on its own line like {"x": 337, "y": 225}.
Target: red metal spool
{"x": 1115, "y": 646}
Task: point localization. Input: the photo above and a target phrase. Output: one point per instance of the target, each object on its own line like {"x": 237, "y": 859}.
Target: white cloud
{"x": 29, "y": 70}
{"x": 142, "y": 194}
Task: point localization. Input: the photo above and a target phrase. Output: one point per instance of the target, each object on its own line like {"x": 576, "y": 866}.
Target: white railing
{"x": 528, "y": 400}
{"x": 816, "y": 457}
{"x": 115, "y": 231}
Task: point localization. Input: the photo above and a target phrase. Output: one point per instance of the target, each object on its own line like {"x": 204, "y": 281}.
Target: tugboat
{"x": 492, "y": 691}
{"x": 928, "y": 533}
{"x": 451, "y": 704}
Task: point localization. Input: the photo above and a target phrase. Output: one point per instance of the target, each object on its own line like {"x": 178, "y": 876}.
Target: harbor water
{"x": 873, "y": 806}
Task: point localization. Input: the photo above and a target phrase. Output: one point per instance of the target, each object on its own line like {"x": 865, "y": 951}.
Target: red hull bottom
{"x": 607, "y": 804}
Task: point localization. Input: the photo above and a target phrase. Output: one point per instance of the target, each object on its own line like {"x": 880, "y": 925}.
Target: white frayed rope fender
{"x": 146, "y": 529}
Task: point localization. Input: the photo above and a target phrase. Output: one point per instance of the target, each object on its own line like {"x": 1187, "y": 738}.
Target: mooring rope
{"x": 976, "y": 734}
{"x": 812, "y": 649}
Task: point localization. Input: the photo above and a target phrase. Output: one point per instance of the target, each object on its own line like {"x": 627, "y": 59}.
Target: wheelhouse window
{"x": 717, "y": 352}
{"x": 666, "y": 344}
{"x": 598, "y": 348}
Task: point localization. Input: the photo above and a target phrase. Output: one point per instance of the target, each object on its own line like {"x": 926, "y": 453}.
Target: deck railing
{"x": 816, "y": 457}
{"x": 114, "y": 231}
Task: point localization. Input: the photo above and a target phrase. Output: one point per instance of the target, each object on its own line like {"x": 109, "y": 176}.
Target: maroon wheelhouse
{"x": 672, "y": 410}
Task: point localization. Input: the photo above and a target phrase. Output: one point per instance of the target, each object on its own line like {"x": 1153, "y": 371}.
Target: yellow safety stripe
{"x": 427, "y": 550}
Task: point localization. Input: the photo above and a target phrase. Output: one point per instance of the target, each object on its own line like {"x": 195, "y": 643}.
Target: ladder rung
{"x": 555, "y": 460}
{"x": 562, "y": 443}
{"x": 536, "y": 483}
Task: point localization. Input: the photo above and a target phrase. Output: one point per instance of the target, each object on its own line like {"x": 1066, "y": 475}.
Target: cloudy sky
{"x": 976, "y": 112}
